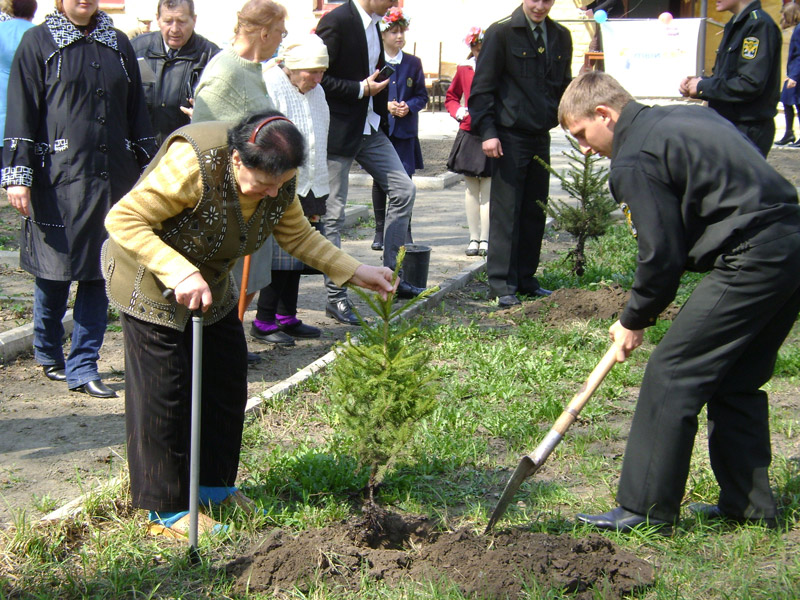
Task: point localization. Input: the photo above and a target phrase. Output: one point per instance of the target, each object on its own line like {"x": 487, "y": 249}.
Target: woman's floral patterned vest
{"x": 212, "y": 236}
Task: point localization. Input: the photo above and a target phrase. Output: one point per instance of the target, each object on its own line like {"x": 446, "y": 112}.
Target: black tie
{"x": 537, "y": 39}
{"x": 171, "y": 53}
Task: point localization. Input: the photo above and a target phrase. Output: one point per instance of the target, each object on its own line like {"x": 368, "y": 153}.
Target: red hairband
{"x": 252, "y": 139}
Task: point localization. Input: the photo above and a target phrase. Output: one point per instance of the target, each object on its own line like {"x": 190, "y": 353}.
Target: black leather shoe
{"x": 96, "y": 389}
{"x": 507, "y": 301}
{"x": 407, "y": 291}
{"x": 377, "y": 242}
{"x": 786, "y": 139}
{"x": 342, "y": 311}
{"x": 276, "y": 336}
{"x": 713, "y": 512}
{"x": 55, "y": 372}
{"x": 301, "y": 330}
{"x": 794, "y": 144}
{"x": 253, "y": 359}
{"x": 623, "y": 520}
{"x": 539, "y": 292}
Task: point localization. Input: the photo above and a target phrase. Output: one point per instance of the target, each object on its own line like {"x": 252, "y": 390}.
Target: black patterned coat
{"x": 78, "y": 134}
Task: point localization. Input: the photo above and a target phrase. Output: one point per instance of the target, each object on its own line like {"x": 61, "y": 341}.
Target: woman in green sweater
{"x": 232, "y": 87}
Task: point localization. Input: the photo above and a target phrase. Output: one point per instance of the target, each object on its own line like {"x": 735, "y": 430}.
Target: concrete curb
{"x": 76, "y": 506}
{"x": 440, "y": 182}
{"x": 20, "y": 339}
{"x": 9, "y": 257}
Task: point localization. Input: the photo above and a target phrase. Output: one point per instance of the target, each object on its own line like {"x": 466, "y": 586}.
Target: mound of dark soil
{"x": 410, "y": 548}
{"x": 570, "y": 304}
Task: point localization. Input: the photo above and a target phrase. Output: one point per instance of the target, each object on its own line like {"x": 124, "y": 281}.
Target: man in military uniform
{"x": 678, "y": 171}
{"x": 171, "y": 61}
{"x": 522, "y": 70}
{"x": 745, "y": 86}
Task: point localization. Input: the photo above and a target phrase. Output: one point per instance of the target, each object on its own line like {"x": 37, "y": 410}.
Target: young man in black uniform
{"x": 522, "y": 70}
{"x": 745, "y": 86}
{"x": 700, "y": 198}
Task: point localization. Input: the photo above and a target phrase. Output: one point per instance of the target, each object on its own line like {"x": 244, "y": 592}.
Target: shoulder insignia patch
{"x": 409, "y": 83}
{"x": 749, "y": 48}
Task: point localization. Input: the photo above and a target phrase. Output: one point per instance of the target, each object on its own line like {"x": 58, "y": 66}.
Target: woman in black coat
{"x": 77, "y": 136}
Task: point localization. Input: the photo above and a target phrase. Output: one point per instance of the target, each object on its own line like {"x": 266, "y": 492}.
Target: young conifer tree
{"x": 586, "y": 182}
{"x": 383, "y": 385}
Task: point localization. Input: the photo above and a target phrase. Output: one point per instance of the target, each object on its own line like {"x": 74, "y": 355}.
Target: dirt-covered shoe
{"x": 179, "y": 530}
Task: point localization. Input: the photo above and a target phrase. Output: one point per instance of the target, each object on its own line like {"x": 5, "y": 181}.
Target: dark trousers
{"x": 158, "y": 362}
{"x": 516, "y": 221}
{"x": 280, "y": 296}
{"x": 761, "y": 133}
{"x": 720, "y": 350}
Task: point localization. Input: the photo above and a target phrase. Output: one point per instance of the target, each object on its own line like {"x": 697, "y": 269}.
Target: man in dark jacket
{"x": 358, "y": 104}
{"x": 745, "y": 86}
{"x": 171, "y": 61}
{"x": 522, "y": 70}
{"x": 702, "y": 199}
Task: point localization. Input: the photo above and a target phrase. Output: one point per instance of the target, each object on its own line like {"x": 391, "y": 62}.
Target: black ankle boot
{"x": 788, "y": 138}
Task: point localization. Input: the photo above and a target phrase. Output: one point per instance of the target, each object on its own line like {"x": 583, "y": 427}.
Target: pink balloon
{"x": 665, "y": 18}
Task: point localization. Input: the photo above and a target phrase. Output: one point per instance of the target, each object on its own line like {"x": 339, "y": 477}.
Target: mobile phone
{"x": 385, "y": 73}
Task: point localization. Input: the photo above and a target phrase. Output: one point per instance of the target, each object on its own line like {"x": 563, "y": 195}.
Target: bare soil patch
{"x": 410, "y": 548}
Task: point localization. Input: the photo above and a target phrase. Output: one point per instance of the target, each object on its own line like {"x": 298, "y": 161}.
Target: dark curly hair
{"x": 278, "y": 147}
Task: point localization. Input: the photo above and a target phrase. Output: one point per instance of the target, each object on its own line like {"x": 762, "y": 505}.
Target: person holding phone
{"x": 171, "y": 61}
{"x": 358, "y": 104}
{"x": 407, "y": 96}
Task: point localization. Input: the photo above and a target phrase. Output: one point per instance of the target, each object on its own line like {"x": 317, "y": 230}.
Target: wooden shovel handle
{"x": 243, "y": 291}
{"x": 580, "y": 399}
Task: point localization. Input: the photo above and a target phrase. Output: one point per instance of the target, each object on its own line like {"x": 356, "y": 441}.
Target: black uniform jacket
{"x": 342, "y": 30}
{"x": 175, "y": 78}
{"x": 695, "y": 189}
{"x": 78, "y": 134}
{"x": 514, "y": 86}
{"x": 745, "y": 85}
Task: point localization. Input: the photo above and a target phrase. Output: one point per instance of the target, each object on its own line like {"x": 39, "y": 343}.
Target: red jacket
{"x": 459, "y": 87}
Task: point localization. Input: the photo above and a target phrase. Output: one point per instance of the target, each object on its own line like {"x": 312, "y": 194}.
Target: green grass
{"x": 503, "y": 387}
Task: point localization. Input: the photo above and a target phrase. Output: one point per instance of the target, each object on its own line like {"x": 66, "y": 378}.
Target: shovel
{"x": 530, "y": 463}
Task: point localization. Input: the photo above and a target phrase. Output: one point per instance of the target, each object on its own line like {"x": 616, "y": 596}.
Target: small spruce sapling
{"x": 382, "y": 386}
{"x": 586, "y": 182}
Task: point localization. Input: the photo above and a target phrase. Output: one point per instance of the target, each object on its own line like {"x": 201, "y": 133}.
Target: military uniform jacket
{"x": 693, "y": 189}
{"x": 78, "y": 134}
{"x": 175, "y": 78}
{"x": 515, "y": 87}
{"x": 745, "y": 85}
{"x": 212, "y": 236}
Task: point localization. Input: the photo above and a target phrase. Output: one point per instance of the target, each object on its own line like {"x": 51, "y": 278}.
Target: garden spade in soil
{"x": 530, "y": 463}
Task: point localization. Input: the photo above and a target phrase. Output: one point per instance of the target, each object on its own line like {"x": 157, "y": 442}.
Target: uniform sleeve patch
{"x": 750, "y": 48}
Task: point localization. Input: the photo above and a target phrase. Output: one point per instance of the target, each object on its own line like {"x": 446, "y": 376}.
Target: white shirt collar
{"x": 367, "y": 18}
{"x": 396, "y": 60}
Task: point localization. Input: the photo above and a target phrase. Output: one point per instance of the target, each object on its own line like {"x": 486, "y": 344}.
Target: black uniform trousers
{"x": 158, "y": 365}
{"x": 720, "y": 350}
{"x": 516, "y": 221}
{"x": 761, "y": 133}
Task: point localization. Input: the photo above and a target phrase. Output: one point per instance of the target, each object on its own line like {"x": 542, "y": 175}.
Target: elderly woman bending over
{"x": 209, "y": 197}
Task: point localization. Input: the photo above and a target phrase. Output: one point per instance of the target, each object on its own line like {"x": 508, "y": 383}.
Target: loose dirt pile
{"x": 569, "y": 304}
{"x": 410, "y": 549}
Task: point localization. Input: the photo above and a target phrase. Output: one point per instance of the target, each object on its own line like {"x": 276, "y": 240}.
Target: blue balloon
{"x": 600, "y": 16}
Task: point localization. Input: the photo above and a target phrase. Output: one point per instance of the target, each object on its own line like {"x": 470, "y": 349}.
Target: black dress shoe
{"x": 301, "y": 330}
{"x": 377, "y": 242}
{"x": 407, "y": 291}
{"x": 539, "y": 292}
{"x": 253, "y": 358}
{"x": 276, "y": 336}
{"x": 507, "y": 301}
{"x": 96, "y": 389}
{"x": 794, "y": 144}
{"x": 786, "y": 139}
{"x": 712, "y": 512}
{"x": 623, "y": 520}
{"x": 55, "y": 372}
{"x": 342, "y": 311}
